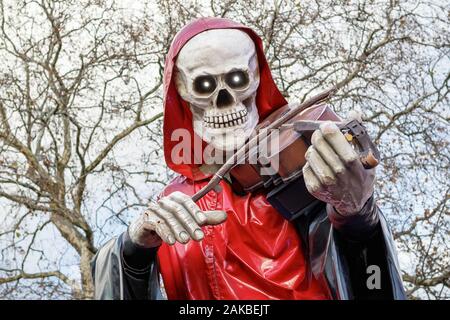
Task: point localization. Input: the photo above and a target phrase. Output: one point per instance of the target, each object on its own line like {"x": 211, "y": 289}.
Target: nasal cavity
{"x": 224, "y": 99}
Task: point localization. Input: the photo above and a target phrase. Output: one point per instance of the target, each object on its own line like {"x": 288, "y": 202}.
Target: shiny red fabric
{"x": 256, "y": 253}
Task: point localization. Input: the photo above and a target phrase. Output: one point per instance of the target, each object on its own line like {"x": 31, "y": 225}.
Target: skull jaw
{"x": 230, "y": 138}
{"x": 226, "y": 139}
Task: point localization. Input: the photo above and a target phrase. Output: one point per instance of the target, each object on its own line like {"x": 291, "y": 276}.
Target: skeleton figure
{"x": 229, "y": 246}
{"x": 220, "y": 88}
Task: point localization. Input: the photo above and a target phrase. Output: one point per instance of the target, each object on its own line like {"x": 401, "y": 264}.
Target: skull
{"x": 217, "y": 74}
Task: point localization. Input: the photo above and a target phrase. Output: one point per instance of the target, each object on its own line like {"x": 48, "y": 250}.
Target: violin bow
{"x": 241, "y": 152}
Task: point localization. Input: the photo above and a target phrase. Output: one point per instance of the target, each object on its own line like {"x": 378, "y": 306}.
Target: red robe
{"x": 256, "y": 253}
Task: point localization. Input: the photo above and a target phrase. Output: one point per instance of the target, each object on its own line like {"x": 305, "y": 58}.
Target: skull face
{"x": 217, "y": 74}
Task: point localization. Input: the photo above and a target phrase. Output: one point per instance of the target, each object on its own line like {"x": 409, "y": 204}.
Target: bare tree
{"x": 80, "y": 103}
{"x": 70, "y": 94}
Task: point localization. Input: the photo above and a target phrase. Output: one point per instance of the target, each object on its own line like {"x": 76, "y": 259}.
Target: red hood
{"x": 176, "y": 111}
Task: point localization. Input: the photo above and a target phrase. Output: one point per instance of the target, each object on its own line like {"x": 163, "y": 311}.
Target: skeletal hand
{"x": 174, "y": 218}
{"x": 334, "y": 173}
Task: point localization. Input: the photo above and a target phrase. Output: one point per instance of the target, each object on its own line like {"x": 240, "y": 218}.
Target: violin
{"x": 272, "y": 159}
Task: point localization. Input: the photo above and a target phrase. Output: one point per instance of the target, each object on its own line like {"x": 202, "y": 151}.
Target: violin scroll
{"x": 357, "y": 135}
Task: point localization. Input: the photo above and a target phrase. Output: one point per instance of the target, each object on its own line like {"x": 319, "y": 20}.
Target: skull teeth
{"x": 226, "y": 120}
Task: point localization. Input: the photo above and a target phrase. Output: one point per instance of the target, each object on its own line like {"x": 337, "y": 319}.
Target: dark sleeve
{"x": 358, "y": 227}
{"x": 361, "y": 242}
{"x": 359, "y": 255}
{"x": 122, "y": 271}
{"x": 137, "y": 263}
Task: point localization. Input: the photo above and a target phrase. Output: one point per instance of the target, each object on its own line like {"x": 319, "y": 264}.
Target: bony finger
{"x": 163, "y": 230}
{"x": 215, "y": 217}
{"x": 177, "y": 228}
{"x": 311, "y": 181}
{"x": 184, "y": 217}
{"x": 327, "y": 153}
{"x": 337, "y": 141}
{"x": 319, "y": 167}
{"x": 328, "y": 128}
{"x": 190, "y": 205}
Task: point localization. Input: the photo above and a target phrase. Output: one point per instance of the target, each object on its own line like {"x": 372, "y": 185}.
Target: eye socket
{"x": 237, "y": 79}
{"x": 205, "y": 84}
